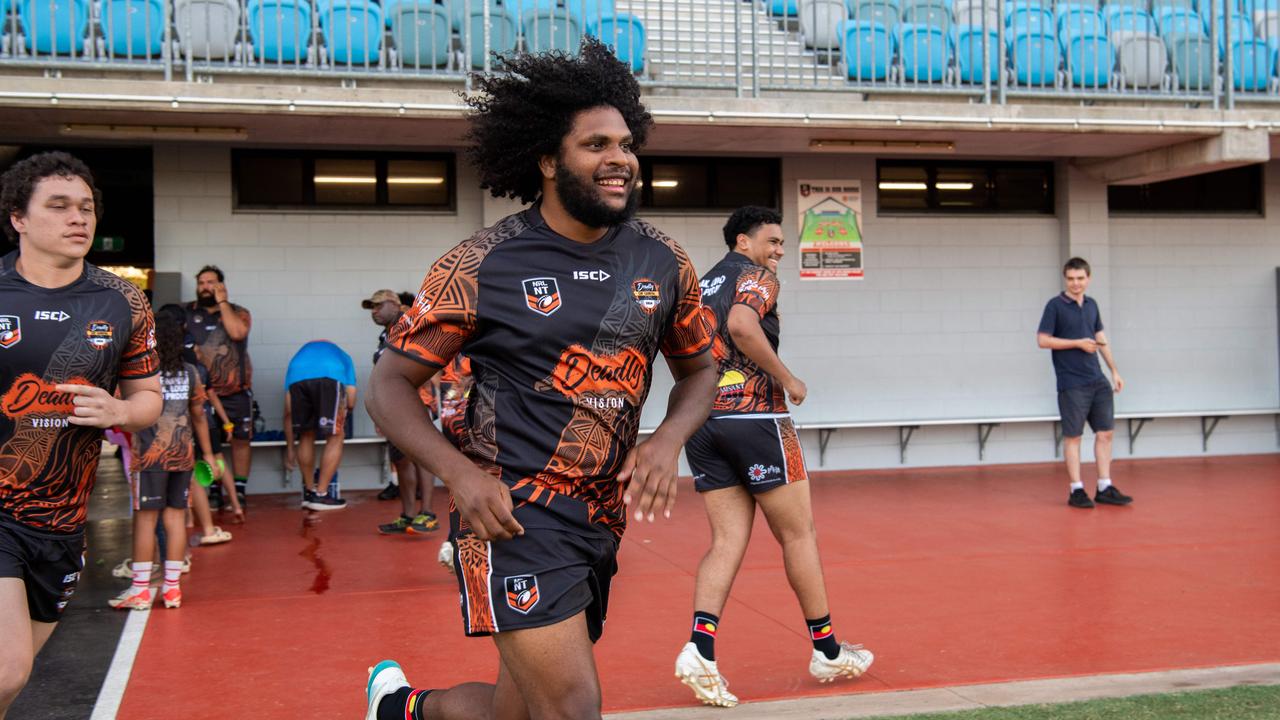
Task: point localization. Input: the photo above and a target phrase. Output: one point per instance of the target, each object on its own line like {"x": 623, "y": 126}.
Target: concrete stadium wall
{"x": 942, "y": 326}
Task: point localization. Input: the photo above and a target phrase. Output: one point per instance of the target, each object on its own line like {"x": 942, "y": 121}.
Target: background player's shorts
{"x": 318, "y": 405}
{"x": 159, "y": 489}
{"x": 239, "y": 407}
{"x": 48, "y": 565}
{"x": 1094, "y": 402}
{"x": 540, "y": 578}
{"x": 759, "y": 454}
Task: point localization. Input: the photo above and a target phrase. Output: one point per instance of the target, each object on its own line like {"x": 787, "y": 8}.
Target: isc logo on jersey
{"x": 54, "y": 315}
{"x": 598, "y": 275}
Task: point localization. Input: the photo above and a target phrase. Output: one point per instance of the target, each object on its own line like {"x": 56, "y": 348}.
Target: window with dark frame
{"x": 691, "y": 184}
{"x": 964, "y": 187}
{"x": 342, "y": 181}
{"x": 1237, "y": 191}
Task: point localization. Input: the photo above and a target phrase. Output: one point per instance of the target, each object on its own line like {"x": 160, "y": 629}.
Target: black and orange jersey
{"x": 455, "y": 387}
{"x": 562, "y": 337}
{"x": 96, "y": 331}
{"x": 426, "y": 392}
{"x": 227, "y": 360}
{"x": 169, "y": 445}
{"x": 744, "y": 389}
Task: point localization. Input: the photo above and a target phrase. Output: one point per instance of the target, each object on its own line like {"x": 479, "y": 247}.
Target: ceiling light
{"x": 903, "y": 186}
{"x": 665, "y": 183}
{"x": 415, "y": 181}
{"x": 954, "y": 185}
{"x": 882, "y": 147}
{"x": 345, "y": 180}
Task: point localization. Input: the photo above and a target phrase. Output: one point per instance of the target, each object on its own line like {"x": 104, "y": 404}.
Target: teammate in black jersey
{"x": 70, "y": 333}
{"x": 562, "y": 310}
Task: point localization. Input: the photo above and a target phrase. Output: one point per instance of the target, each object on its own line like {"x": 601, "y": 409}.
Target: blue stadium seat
{"x": 1035, "y": 59}
{"x": 1253, "y": 62}
{"x": 1142, "y": 5}
{"x": 352, "y": 29}
{"x": 1192, "y": 59}
{"x": 1158, "y": 5}
{"x": 528, "y": 8}
{"x": 504, "y": 34}
{"x": 133, "y": 28}
{"x": 969, "y": 55}
{"x": 1089, "y": 61}
{"x": 280, "y": 29}
{"x": 1241, "y": 29}
{"x": 589, "y": 12}
{"x": 853, "y": 6}
{"x": 420, "y": 31}
{"x": 551, "y": 30}
{"x": 1032, "y": 20}
{"x": 868, "y": 50}
{"x": 1080, "y": 22}
{"x": 781, "y": 8}
{"x": 1180, "y": 21}
{"x": 54, "y": 26}
{"x": 886, "y": 13}
{"x": 925, "y": 52}
{"x": 1127, "y": 22}
{"x": 1252, "y": 7}
{"x": 934, "y": 13}
{"x": 624, "y": 34}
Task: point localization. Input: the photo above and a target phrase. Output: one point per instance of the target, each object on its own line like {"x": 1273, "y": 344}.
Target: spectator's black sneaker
{"x": 1080, "y": 499}
{"x": 215, "y": 497}
{"x": 1112, "y": 496}
{"x": 307, "y": 497}
{"x": 324, "y": 502}
{"x": 390, "y": 492}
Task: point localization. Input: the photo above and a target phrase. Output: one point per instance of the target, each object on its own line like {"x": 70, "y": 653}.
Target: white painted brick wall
{"x": 942, "y": 326}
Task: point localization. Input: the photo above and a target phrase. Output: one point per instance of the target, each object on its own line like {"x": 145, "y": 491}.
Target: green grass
{"x": 1238, "y": 703}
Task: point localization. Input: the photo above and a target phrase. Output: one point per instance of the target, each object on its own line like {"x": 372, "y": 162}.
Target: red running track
{"x": 951, "y": 576}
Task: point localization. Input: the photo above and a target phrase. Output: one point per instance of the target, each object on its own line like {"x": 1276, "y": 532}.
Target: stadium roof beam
{"x": 1234, "y": 147}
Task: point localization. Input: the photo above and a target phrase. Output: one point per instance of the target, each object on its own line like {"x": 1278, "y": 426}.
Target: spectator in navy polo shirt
{"x": 1072, "y": 328}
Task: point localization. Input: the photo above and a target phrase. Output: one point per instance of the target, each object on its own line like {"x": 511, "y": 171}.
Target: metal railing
{"x": 1191, "y": 51}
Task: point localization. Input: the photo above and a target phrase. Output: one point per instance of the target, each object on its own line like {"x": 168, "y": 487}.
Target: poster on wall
{"x": 830, "y": 214}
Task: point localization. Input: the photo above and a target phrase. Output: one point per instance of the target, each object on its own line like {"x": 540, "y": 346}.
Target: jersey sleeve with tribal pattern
{"x": 140, "y": 359}
{"x": 690, "y": 332}
{"x": 757, "y": 288}
{"x": 443, "y": 315}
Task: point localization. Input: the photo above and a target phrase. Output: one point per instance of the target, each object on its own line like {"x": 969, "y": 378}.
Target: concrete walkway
{"x": 971, "y": 697}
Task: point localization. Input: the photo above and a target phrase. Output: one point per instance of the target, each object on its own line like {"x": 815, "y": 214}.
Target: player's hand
{"x": 220, "y": 293}
{"x": 1088, "y": 345}
{"x": 212, "y": 461}
{"x": 797, "y": 391}
{"x": 485, "y": 504}
{"x": 650, "y": 468}
{"x": 290, "y": 459}
{"x": 1117, "y": 382}
{"x": 95, "y": 407}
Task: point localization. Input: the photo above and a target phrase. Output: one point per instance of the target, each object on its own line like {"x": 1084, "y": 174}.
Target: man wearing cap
{"x": 416, "y": 484}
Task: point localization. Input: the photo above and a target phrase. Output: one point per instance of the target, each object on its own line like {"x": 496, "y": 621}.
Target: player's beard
{"x": 581, "y": 201}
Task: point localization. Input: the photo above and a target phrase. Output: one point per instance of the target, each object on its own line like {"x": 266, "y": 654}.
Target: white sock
{"x": 141, "y": 577}
{"x": 172, "y": 572}
{"x": 1077, "y": 486}
{"x": 1103, "y": 484}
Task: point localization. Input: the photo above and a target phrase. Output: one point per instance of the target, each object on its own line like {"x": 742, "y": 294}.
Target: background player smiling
{"x": 542, "y": 476}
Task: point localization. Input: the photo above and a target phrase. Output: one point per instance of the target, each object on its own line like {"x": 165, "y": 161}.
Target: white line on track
{"x": 121, "y": 667}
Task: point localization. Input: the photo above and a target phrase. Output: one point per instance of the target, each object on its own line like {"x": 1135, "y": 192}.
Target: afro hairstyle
{"x": 523, "y": 111}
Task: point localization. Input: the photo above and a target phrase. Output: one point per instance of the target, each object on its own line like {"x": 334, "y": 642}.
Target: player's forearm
{"x": 200, "y": 425}
{"x": 752, "y": 342}
{"x": 1106, "y": 357}
{"x": 237, "y": 329}
{"x": 395, "y": 406}
{"x": 1049, "y": 342}
{"x": 688, "y": 405}
{"x": 142, "y": 409}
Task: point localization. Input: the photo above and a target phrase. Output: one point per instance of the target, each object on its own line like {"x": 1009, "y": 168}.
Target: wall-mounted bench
{"x": 1209, "y": 420}
{"x": 371, "y": 440}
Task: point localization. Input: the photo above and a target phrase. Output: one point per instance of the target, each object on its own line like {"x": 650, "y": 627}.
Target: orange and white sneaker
{"x": 852, "y": 661}
{"x": 172, "y": 598}
{"x": 130, "y": 600}
{"x": 702, "y": 677}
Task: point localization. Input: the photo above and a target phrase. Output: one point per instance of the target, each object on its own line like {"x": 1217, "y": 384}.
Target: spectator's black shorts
{"x": 318, "y": 406}
{"x": 759, "y": 454}
{"x": 1094, "y": 402}
{"x": 239, "y": 407}
{"x": 159, "y": 489}
{"x": 49, "y": 565}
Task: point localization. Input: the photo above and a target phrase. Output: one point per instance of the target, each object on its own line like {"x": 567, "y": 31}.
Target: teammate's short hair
{"x": 20, "y": 180}
{"x": 1078, "y": 263}
{"x": 406, "y": 298}
{"x": 527, "y": 105}
{"x": 746, "y": 220}
{"x": 213, "y": 269}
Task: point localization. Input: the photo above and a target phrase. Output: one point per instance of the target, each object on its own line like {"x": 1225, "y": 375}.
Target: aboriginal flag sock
{"x": 404, "y": 704}
{"x": 824, "y": 637}
{"x": 703, "y": 636}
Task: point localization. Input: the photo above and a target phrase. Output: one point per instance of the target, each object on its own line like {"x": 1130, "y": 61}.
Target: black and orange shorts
{"x": 541, "y": 578}
{"x": 759, "y": 454}
{"x": 49, "y": 566}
